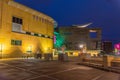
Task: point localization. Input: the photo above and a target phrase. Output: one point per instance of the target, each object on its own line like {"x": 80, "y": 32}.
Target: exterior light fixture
{"x": 29, "y": 50}
{"x": 81, "y": 46}
{"x": 1, "y": 50}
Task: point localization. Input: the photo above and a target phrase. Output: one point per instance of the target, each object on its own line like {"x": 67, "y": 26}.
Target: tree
{"x": 58, "y": 40}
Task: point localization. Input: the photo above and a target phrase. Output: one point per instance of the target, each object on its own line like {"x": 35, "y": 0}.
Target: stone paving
{"x": 33, "y": 69}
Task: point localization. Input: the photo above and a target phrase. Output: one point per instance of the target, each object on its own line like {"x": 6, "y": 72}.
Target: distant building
{"x": 77, "y": 36}
{"x": 107, "y": 46}
{"x": 24, "y": 30}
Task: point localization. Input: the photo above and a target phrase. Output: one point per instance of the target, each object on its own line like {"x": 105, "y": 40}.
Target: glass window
{"x": 21, "y": 22}
{"x": 29, "y": 33}
{"x": 16, "y": 42}
{"x": 17, "y": 24}
{"x": 13, "y": 20}
{"x": 35, "y": 34}
{"x": 42, "y": 35}
{"x": 17, "y": 20}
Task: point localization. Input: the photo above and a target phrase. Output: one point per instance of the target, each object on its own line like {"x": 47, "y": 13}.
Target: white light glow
{"x": 81, "y": 46}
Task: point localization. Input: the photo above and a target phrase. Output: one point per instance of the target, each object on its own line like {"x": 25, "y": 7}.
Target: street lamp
{"x": 81, "y": 46}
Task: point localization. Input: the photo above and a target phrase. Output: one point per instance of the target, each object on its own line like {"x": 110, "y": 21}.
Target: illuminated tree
{"x": 59, "y": 40}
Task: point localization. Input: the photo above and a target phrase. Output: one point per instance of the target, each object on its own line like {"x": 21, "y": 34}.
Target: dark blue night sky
{"x": 102, "y": 13}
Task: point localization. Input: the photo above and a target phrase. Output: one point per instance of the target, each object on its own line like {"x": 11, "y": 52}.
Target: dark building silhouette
{"x": 107, "y": 46}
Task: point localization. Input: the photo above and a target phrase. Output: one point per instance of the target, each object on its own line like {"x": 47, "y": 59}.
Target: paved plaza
{"x": 35, "y": 69}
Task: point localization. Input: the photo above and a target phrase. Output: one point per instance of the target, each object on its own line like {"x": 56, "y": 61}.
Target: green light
{"x": 59, "y": 40}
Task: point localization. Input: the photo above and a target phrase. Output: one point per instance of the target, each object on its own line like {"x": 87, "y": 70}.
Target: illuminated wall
{"x": 34, "y": 30}
{"x": 78, "y": 52}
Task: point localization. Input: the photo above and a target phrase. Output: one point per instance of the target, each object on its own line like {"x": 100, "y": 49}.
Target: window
{"x": 42, "y": 35}
{"x": 93, "y": 34}
{"x": 21, "y": 22}
{"x": 17, "y": 20}
{"x": 16, "y": 42}
{"x": 17, "y": 24}
{"x": 35, "y": 34}
{"x": 42, "y": 20}
{"x": 48, "y": 36}
{"x": 98, "y": 45}
{"x": 37, "y": 18}
{"x": 29, "y": 33}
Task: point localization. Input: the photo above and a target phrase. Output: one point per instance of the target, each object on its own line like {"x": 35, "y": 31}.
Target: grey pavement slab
{"x": 32, "y": 69}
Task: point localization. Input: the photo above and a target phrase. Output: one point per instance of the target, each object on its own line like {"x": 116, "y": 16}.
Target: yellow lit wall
{"x": 93, "y": 52}
{"x": 77, "y": 52}
{"x": 33, "y": 21}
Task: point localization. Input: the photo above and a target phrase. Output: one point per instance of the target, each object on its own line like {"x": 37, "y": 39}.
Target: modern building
{"x": 80, "y": 36}
{"x": 24, "y": 30}
{"x": 107, "y": 47}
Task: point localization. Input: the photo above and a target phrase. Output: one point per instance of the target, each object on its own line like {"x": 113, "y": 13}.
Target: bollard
{"x": 107, "y": 60}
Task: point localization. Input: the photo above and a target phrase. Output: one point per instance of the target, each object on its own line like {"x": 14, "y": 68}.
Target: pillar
{"x": 107, "y": 59}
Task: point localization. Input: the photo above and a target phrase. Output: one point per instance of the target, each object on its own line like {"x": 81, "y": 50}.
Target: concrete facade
{"x": 24, "y": 30}
{"x": 75, "y": 36}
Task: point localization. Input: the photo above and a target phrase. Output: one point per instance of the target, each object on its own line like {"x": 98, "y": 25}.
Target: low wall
{"x": 107, "y": 61}
{"x": 116, "y": 62}
{"x": 77, "y": 52}
{"x": 94, "y": 60}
